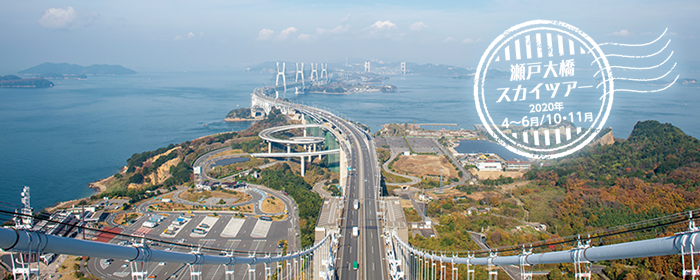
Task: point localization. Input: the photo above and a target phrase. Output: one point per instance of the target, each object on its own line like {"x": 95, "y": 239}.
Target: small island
{"x": 50, "y": 70}
{"x": 239, "y": 115}
{"x": 12, "y": 81}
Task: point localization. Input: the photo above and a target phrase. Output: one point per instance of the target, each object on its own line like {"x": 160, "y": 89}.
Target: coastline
{"x": 99, "y": 186}
{"x": 239, "y": 120}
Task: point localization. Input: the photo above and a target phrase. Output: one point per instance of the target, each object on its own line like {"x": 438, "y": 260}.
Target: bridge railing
{"x": 686, "y": 244}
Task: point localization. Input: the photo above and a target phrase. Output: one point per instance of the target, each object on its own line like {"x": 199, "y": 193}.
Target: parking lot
{"x": 398, "y": 145}
{"x": 225, "y": 232}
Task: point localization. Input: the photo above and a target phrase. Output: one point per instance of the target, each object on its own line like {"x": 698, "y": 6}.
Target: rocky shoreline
{"x": 239, "y": 120}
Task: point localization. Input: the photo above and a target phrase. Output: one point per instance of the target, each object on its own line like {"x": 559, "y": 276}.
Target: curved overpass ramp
{"x": 266, "y": 135}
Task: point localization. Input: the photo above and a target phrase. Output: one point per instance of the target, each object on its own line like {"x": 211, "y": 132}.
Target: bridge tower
{"x": 403, "y": 67}
{"x": 314, "y": 72}
{"x": 367, "y": 69}
{"x": 277, "y": 79}
{"x": 324, "y": 70}
{"x": 24, "y": 220}
{"x": 25, "y": 263}
{"x": 300, "y": 72}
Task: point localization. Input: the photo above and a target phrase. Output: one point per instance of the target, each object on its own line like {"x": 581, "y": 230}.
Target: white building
{"x": 149, "y": 224}
{"x": 489, "y": 166}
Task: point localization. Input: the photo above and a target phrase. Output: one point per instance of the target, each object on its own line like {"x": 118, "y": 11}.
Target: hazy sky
{"x": 212, "y": 35}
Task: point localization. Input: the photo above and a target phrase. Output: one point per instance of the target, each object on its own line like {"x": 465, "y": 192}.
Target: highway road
{"x": 363, "y": 184}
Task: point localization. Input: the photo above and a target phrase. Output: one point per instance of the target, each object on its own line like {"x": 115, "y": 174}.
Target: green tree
{"x": 555, "y": 274}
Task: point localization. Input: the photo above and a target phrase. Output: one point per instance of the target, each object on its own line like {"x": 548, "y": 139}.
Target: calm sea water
{"x": 58, "y": 140}
{"x": 485, "y": 146}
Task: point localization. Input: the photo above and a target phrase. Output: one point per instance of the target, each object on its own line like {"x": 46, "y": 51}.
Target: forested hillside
{"x": 655, "y": 172}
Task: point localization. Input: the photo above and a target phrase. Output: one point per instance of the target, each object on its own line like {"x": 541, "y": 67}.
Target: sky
{"x": 217, "y": 35}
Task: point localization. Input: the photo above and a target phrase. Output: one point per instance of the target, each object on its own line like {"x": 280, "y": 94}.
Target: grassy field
{"x": 227, "y": 170}
{"x": 391, "y": 178}
{"x": 226, "y": 153}
{"x": 193, "y": 196}
{"x": 538, "y": 202}
{"x": 272, "y": 205}
{"x": 69, "y": 268}
{"x": 123, "y": 218}
{"x": 411, "y": 215}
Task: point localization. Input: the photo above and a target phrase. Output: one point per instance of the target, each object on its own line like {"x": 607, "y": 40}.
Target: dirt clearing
{"x": 425, "y": 165}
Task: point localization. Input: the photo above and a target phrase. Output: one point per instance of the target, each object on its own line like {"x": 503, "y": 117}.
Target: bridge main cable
{"x": 664, "y": 246}
{"x": 32, "y": 241}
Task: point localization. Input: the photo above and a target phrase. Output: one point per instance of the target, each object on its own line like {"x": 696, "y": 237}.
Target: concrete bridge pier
{"x": 302, "y": 166}
{"x": 269, "y": 147}
{"x": 319, "y": 156}
{"x": 288, "y": 150}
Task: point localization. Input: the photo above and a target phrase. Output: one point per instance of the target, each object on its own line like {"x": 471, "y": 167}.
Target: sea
{"x": 58, "y": 140}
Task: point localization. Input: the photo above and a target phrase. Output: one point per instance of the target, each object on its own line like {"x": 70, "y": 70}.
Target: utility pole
{"x": 82, "y": 218}
{"x": 440, "y": 180}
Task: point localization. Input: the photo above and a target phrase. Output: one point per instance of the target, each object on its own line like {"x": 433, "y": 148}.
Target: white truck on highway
{"x": 356, "y": 204}
{"x": 355, "y": 231}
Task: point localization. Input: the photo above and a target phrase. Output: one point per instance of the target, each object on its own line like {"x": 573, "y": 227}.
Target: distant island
{"x": 50, "y": 70}
{"x": 12, "y": 81}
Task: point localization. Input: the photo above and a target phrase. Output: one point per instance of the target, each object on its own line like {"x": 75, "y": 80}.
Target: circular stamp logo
{"x": 543, "y": 89}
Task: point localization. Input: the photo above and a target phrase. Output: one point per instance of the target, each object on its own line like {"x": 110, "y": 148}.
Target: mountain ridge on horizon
{"x": 67, "y": 69}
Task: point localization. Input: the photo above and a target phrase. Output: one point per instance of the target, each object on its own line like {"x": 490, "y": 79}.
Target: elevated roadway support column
{"x": 308, "y": 149}
{"x": 343, "y": 171}
{"x": 269, "y": 147}
{"x": 319, "y": 156}
{"x": 302, "y": 165}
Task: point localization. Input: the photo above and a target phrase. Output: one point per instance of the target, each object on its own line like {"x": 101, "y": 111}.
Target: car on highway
{"x": 266, "y": 218}
{"x": 355, "y": 231}
{"x": 354, "y": 265}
